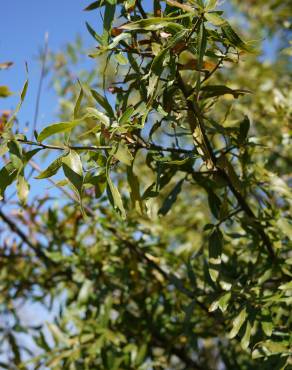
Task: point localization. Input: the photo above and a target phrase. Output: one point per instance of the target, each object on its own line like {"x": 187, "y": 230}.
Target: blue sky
{"x": 23, "y": 26}
{"x": 22, "y": 30}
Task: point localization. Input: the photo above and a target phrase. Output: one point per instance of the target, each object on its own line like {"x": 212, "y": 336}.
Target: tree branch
{"x": 197, "y": 115}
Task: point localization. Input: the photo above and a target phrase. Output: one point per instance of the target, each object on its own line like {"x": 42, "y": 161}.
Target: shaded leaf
{"x": 171, "y": 198}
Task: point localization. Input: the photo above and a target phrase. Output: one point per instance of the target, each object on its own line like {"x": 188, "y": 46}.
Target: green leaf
{"x": 210, "y": 5}
{"x": 114, "y": 195}
{"x": 151, "y": 24}
{"x": 202, "y": 44}
{"x": 94, "y": 5}
{"x": 211, "y": 91}
{"x": 157, "y": 64}
{"x": 51, "y": 170}
{"x": 237, "y": 323}
{"x": 85, "y": 291}
{"x": 223, "y": 301}
{"x": 78, "y": 104}
{"x": 234, "y": 39}
{"x": 7, "y": 175}
{"x": 123, "y": 154}
{"x": 109, "y": 15}
{"x": 22, "y": 97}
{"x": 5, "y": 92}
{"x": 30, "y": 154}
{"x": 15, "y": 349}
{"x": 267, "y": 326}
{"x": 103, "y": 102}
{"x": 184, "y": 7}
{"x": 246, "y": 338}
{"x": 95, "y": 113}
{"x": 73, "y": 171}
{"x": 136, "y": 198}
{"x": 215, "y": 19}
{"x": 171, "y": 198}
{"x": 121, "y": 59}
{"x": 99, "y": 183}
{"x": 215, "y": 251}
{"x": 98, "y": 38}
{"x": 287, "y": 286}
{"x": 126, "y": 115}
{"x": 58, "y": 335}
{"x": 243, "y": 129}
{"x": 22, "y": 187}
{"x": 57, "y": 128}
{"x": 225, "y": 165}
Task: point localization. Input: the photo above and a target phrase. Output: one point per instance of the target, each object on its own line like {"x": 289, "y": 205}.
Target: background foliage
{"x": 164, "y": 239}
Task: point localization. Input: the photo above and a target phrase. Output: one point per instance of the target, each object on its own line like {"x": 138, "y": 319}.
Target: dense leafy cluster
{"x": 169, "y": 247}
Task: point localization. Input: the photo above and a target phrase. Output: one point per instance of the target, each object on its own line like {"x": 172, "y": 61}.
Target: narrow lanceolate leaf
{"x": 243, "y": 129}
{"x": 28, "y": 155}
{"x": 151, "y": 24}
{"x": 22, "y": 187}
{"x": 113, "y": 193}
{"x": 73, "y": 171}
{"x": 234, "y": 39}
{"x": 171, "y": 198}
{"x": 103, "y": 102}
{"x": 202, "y": 45}
{"x": 225, "y": 165}
{"x": 215, "y": 251}
{"x": 58, "y": 128}
{"x": 94, "y": 5}
{"x": 98, "y": 38}
{"x": 211, "y": 91}
{"x": 51, "y": 170}
{"x": 215, "y": 19}
{"x": 22, "y": 97}
{"x": 246, "y": 338}
{"x": 237, "y": 323}
{"x": 184, "y": 7}
{"x": 223, "y": 301}
{"x": 7, "y": 175}
{"x": 78, "y": 104}
{"x": 135, "y": 195}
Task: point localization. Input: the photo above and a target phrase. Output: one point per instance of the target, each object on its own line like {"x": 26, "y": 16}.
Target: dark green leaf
{"x": 171, "y": 198}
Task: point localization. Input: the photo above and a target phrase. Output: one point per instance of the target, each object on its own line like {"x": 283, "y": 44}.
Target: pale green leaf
{"x": 237, "y": 323}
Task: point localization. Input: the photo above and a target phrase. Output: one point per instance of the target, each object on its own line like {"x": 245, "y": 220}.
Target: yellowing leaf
{"x": 5, "y": 92}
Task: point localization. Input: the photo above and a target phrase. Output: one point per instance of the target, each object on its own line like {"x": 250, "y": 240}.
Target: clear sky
{"x": 22, "y": 30}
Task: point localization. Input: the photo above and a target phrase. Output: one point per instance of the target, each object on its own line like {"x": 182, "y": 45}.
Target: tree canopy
{"x": 164, "y": 238}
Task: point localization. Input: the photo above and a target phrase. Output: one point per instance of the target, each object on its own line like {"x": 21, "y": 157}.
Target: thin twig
{"x": 42, "y": 76}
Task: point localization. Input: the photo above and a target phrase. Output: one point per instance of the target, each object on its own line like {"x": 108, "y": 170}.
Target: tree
{"x": 170, "y": 248}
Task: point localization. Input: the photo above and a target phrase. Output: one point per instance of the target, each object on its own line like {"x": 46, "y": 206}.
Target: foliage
{"x": 170, "y": 248}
